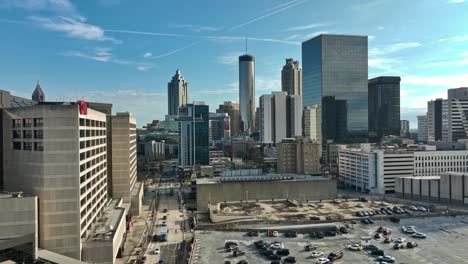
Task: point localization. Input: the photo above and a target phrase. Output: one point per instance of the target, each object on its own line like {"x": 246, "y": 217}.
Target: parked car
{"x": 365, "y": 221}
{"x": 419, "y": 235}
{"x": 275, "y": 233}
{"x": 283, "y": 252}
{"x": 291, "y": 234}
{"x": 289, "y": 259}
{"x": 315, "y": 218}
{"x": 371, "y": 247}
{"x": 330, "y": 233}
{"x": 323, "y": 261}
{"x": 164, "y": 217}
{"x": 310, "y": 247}
{"x": 401, "y": 240}
{"x": 230, "y": 243}
{"x": 343, "y": 230}
{"x": 363, "y": 199}
{"x": 388, "y": 240}
{"x": 335, "y": 255}
{"x": 395, "y": 219}
{"x": 276, "y": 245}
{"x": 232, "y": 248}
{"x": 243, "y": 262}
{"x": 388, "y": 259}
{"x": 354, "y": 247}
{"x": 164, "y": 210}
{"x": 316, "y": 254}
{"x": 320, "y": 235}
{"x": 252, "y": 233}
{"x": 411, "y": 244}
{"x": 398, "y": 245}
{"x": 370, "y": 221}
{"x": 414, "y": 208}
{"x": 156, "y": 251}
{"x": 276, "y": 262}
{"x": 273, "y": 257}
{"x": 422, "y": 209}
{"x": 377, "y": 252}
{"x": 313, "y": 235}
{"x": 266, "y": 252}
{"x": 259, "y": 243}
{"x": 377, "y": 236}
{"x": 238, "y": 252}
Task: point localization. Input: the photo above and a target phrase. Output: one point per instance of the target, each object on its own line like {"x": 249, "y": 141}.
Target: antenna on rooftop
{"x": 246, "y": 50}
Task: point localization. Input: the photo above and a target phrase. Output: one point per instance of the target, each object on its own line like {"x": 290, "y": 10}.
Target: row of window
{"x": 28, "y": 122}
{"x": 91, "y": 153}
{"x": 92, "y": 143}
{"x": 38, "y": 146}
{"x": 92, "y": 133}
{"x": 92, "y": 123}
{"x": 27, "y": 134}
{"x": 93, "y": 162}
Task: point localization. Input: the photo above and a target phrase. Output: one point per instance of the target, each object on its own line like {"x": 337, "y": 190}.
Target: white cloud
{"x": 460, "y": 80}
{"x": 314, "y": 34}
{"x": 194, "y": 28}
{"x": 58, "y": 6}
{"x": 147, "y": 54}
{"x": 385, "y": 65}
{"x": 175, "y": 51}
{"x": 456, "y": 1}
{"x": 73, "y": 27}
{"x": 461, "y": 38}
{"x": 460, "y": 62}
{"x": 292, "y": 37}
{"x": 267, "y": 84}
{"x": 379, "y": 28}
{"x": 230, "y": 58}
{"x": 143, "y": 68}
{"x": 308, "y": 26}
{"x": 395, "y": 47}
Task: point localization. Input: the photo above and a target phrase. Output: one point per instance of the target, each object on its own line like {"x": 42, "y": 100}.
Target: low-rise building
{"x": 298, "y": 155}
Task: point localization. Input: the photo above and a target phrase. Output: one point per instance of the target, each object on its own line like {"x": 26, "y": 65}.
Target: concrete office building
{"x": 263, "y": 187}
{"x": 434, "y": 162}
{"x": 384, "y": 107}
{"x": 450, "y": 188}
{"x": 247, "y": 92}
{"x": 291, "y": 78}
{"x": 177, "y": 93}
{"x": 423, "y": 128}
{"x": 457, "y": 114}
{"x": 154, "y": 150}
{"x": 335, "y": 76}
{"x": 294, "y": 118}
{"x": 124, "y": 164}
{"x": 232, "y": 109}
{"x": 404, "y": 128}
{"x": 193, "y": 134}
{"x": 57, "y": 152}
{"x": 298, "y": 155}
{"x": 38, "y": 95}
{"x": 18, "y": 227}
{"x": 313, "y": 123}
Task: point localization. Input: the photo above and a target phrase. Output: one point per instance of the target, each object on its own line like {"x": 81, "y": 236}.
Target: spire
{"x": 38, "y": 95}
{"x": 246, "y": 47}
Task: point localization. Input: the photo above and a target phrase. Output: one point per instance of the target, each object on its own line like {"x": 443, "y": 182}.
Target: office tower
{"x": 384, "y": 107}
{"x": 38, "y": 95}
{"x": 335, "y": 78}
{"x": 177, "y": 93}
{"x": 124, "y": 163}
{"x": 57, "y": 152}
{"x": 457, "y": 114}
{"x": 313, "y": 123}
{"x": 435, "y": 116}
{"x": 404, "y": 128}
{"x": 422, "y": 128}
{"x": 193, "y": 134}
{"x": 291, "y": 78}
{"x": 298, "y": 155}
{"x": 294, "y": 115}
{"x": 247, "y": 92}
{"x": 232, "y": 109}
{"x": 273, "y": 123}
{"x": 219, "y": 126}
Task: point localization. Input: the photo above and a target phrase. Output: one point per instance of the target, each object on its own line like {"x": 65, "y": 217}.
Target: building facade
{"x": 219, "y": 126}
{"x": 57, "y": 152}
{"x": 294, "y": 118}
{"x": 384, "y": 107}
{"x": 124, "y": 157}
{"x": 313, "y": 123}
{"x": 177, "y": 93}
{"x": 435, "y": 119}
{"x": 457, "y": 114}
{"x": 404, "y": 128}
{"x": 298, "y": 155}
{"x": 193, "y": 134}
{"x": 291, "y": 78}
{"x": 423, "y": 128}
{"x": 247, "y": 92}
{"x": 232, "y": 109}
{"x": 335, "y": 78}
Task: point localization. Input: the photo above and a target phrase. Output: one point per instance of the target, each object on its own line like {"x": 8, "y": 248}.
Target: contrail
{"x": 176, "y": 50}
{"x": 146, "y": 33}
{"x": 269, "y": 14}
{"x": 278, "y": 6}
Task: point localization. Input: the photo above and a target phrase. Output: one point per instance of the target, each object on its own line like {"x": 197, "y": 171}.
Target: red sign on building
{"x": 83, "y": 107}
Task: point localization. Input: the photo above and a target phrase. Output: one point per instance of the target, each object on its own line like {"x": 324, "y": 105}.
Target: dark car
{"x": 335, "y": 255}
{"x": 315, "y": 218}
{"x": 227, "y": 262}
{"x": 267, "y": 252}
{"x": 370, "y": 221}
{"x": 320, "y": 235}
{"x": 398, "y": 246}
{"x": 230, "y": 243}
{"x": 237, "y": 253}
{"x": 377, "y": 236}
{"x": 252, "y": 233}
{"x": 164, "y": 217}
{"x": 330, "y": 233}
{"x": 290, "y": 234}
{"x": 164, "y": 210}
{"x": 290, "y": 260}
{"x": 388, "y": 240}
{"x": 363, "y": 199}
{"x": 343, "y": 230}
{"x": 310, "y": 247}
{"x": 371, "y": 247}
{"x": 273, "y": 257}
{"x": 155, "y": 238}
{"x": 377, "y": 252}
{"x": 313, "y": 235}
{"x": 411, "y": 244}
{"x": 283, "y": 252}
{"x": 395, "y": 219}
{"x": 275, "y": 262}
{"x": 243, "y": 262}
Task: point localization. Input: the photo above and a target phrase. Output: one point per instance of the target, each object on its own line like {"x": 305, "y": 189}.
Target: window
{"x": 27, "y": 122}
{"x": 16, "y": 123}
{"x": 27, "y": 145}
{"x": 27, "y": 134}
{"x": 82, "y": 122}
{"x": 38, "y": 122}
{"x": 17, "y": 145}
{"x": 82, "y": 133}
{"x": 38, "y": 134}
{"x": 16, "y": 133}
{"x": 38, "y": 146}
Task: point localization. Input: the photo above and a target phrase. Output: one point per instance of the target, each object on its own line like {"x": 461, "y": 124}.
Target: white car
{"x": 156, "y": 251}
{"x": 323, "y": 261}
{"x": 401, "y": 240}
{"x": 355, "y": 247}
{"x": 275, "y": 233}
{"x": 276, "y": 245}
{"x": 388, "y": 259}
{"x": 414, "y": 208}
{"x": 419, "y": 235}
{"x": 316, "y": 254}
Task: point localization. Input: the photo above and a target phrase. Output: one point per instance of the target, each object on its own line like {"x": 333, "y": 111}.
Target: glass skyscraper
{"x": 193, "y": 134}
{"x": 335, "y": 78}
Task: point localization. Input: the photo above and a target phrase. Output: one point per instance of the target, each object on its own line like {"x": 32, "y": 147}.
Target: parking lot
{"x": 445, "y": 243}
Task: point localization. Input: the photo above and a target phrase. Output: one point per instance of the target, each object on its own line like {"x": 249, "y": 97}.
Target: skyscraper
{"x": 247, "y": 92}
{"x": 422, "y": 128}
{"x": 404, "y": 128}
{"x": 313, "y": 123}
{"x": 335, "y": 78}
{"x": 457, "y": 114}
{"x": 291, "y": 78}
{"x": 232, "y": 109}
{"x": 193, "y": 134}
{"x": 294, "y": 115}
{"x": 384, "y": 107}
{"x": 177, "y": 93}
{"x": 435, "y": 119}
{"x": 38, "y": 95}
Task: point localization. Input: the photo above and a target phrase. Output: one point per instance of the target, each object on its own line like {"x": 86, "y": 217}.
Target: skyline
{"x": 114, "y": 52}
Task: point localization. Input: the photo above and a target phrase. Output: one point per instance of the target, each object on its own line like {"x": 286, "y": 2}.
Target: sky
{"x": 124, "y": 52}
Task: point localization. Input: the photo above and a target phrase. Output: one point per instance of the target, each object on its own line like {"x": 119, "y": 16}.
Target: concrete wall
{"x": 237, "y": 191}
{"x": 137, "y": 199}
{"x": 434, "y": 184}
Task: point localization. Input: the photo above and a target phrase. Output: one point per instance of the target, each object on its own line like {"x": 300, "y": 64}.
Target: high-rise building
{"x": 57, "y": 152}
{"x": 280, "y": 117}
{"x": 422, "y": 128}
{"x": 384, "y": 107}
{"x": 313, "y": 123}
{"x": 38, "y": 95}
{"x": 247, "y": 92}
{"x": 291, "y": 78}
{"x": 298, "y": 155}
{"x": 404, "y": 128}
{"x": 219, "y": 126}
{"x": 232, "y": 109}
{"x": 457, "y": 114}
{"x": 177, "y": 93}
{"x": 335, "y": 78}
{"x": 124, "y": 158}
{"x": 193, "y": 134}
{"x": 435, "y": 119}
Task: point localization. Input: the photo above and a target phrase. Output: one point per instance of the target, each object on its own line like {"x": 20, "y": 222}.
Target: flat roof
{"x": 265, "y": 177}
{"x": 106, "y": 226}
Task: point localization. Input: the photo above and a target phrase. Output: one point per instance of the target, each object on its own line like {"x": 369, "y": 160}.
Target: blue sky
{"x": 124, "y": 52}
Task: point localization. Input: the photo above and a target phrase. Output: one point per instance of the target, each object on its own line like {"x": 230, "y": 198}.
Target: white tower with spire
{"x": 177, "y": 93}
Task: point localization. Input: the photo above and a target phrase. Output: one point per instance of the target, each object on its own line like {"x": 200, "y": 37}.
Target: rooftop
{"x": 264, "y": 177}
{"x": 106, "y": 226}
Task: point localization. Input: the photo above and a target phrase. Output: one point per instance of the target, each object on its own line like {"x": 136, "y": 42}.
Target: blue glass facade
{"x": 335, "y": 78}
{"x": 193, "y": 134}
